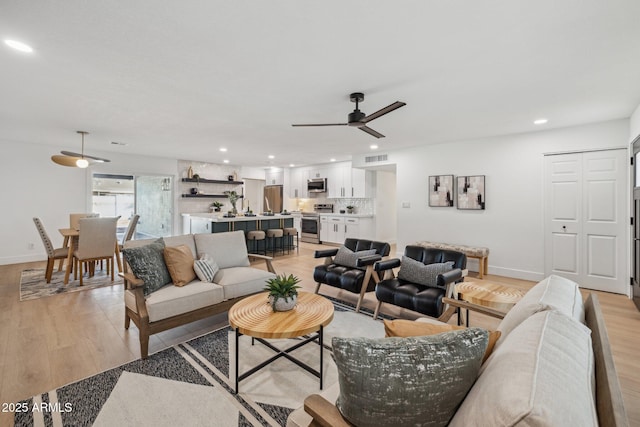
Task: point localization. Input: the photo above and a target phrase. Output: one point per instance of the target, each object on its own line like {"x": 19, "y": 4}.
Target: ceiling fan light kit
{"x": 77, "y": 160}
{"x": 359, "y": 119}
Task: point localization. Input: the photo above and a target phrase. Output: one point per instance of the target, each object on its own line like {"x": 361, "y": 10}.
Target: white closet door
{"x": 585, "y": 206}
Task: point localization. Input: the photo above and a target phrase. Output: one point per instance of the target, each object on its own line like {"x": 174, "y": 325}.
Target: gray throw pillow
{"x": 349, "y": 258}
{"x": 418, "y": 381}
{"x": 416, "y": 272}
{"x": 206, "y": 268}
{"x": 147, "y": 263}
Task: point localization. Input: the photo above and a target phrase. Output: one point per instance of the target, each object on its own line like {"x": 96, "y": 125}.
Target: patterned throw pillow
{"x": 206, "y": 268}
{"x": 411, "y": 328}
{"x": 147, "y": 264}
{"x": 416, "y": 381}
{"x": 416, "y": 272}
{"x": 349, "y": 258}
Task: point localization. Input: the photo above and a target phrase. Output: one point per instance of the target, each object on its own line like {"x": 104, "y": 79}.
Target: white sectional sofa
{"x": 552, "y": 366}
{"x": 172, "y": 306}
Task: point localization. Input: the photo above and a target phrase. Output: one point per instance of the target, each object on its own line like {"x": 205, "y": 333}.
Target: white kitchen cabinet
{"x": 200, "y": 225}
{"x": 297, "y": 183}
{"x": 362, "y": 183}
{"x": 332, "y": 229}
{"x": 351, "y": 228}
{"x": 274, "y": 177}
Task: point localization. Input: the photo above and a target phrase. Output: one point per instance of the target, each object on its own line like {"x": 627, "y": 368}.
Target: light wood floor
{"x": 50, "y": 342}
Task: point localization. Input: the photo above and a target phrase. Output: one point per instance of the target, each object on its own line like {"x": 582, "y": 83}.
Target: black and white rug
{"x": 191, "y": 384}
{"x": 33, "y": 284}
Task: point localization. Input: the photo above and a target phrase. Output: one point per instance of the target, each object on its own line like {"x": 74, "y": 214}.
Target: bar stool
{"x": 257, "y": 236}
{"x": 273, "y": 234}
{"x": 289, "y": 232}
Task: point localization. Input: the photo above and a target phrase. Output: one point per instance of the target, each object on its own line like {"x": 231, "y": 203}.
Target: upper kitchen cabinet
{"x": 346, "y": 182}
{"x": 298, "y": 183}
{"x": 274, "y": 177}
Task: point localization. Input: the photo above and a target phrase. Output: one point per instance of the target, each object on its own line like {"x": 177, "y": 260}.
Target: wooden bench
{"x": 479, "y": 252}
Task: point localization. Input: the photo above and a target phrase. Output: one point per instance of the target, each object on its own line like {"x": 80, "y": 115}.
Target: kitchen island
{"x": 216, "y": 223}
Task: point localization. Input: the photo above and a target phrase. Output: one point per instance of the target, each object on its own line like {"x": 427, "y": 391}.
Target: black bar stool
{"x": 289, "y": 233}
{"x": 257, "y": 236}
{"x": 273, "y": 234}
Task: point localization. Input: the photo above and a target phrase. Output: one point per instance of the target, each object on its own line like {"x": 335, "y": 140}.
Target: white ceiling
{"x": 181, "y": 79}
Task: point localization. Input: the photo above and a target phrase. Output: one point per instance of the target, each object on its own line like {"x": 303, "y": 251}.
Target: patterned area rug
{"x": 33, "y": 285}
{"x": 191, "y": 384}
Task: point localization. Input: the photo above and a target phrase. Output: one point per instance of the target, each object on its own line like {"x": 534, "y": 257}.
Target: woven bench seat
{"x": 479, "y": 252}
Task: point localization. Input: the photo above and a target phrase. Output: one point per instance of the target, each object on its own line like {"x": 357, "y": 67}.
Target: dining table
{"x": 70, "y": 237}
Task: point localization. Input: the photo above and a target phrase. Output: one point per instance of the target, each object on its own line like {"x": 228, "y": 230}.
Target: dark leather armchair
{"x": 359, "y": 279}
{"x": 418, "y": 297}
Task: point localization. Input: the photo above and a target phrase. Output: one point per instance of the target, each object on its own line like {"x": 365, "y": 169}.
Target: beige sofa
{"x": 172, "y": 306}
{"x": 551, "y": 366}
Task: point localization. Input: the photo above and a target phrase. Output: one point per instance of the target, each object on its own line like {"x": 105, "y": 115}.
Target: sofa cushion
{"x": 147, "y": 263}
{"x": 227, "y": 249}
{"x": 172, "y": 300}
{"x": 349, "y": 258}
{"x": 416, "y": 272}
{"x": 552, "y": 293}
{"x": 185, "y": 239}
{"x": 541, "y": 375}
{"x": 406, "y": 381}
{"x": 206, "y": 268}
{"x": 241, "y": 281}
{"x": 409, "y": 328}
{"x": 179, "y": 261}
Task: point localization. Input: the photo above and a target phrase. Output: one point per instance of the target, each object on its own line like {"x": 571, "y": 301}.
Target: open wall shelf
{"x": 211, "y": 196}
{"x": 212, "y": 181}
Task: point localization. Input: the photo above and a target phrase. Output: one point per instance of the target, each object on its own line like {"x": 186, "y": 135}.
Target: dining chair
{"x": 52, "y": 253}
{"x": 128, "y": 235}
{"x": 74, "y": 219}
{"x": 96, "y": 241}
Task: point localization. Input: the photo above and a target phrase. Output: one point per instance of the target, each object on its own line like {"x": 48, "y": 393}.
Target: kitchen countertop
{"x": 346, "y": 215}
{"x": 217, "y": 217}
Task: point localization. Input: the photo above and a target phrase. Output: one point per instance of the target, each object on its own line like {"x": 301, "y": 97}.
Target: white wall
{"x": 512, "y": 224}
{"x": 35, "y": 186}
{"x": 385, "y": 207}
{"x": 634, "y": 124}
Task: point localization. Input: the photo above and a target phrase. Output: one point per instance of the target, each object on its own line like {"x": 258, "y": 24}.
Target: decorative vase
{"x": 283, "y": 304}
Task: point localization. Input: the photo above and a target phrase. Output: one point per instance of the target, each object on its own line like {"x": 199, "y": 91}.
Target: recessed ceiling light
{"x": 540, "y": 121}
{"x": 373, "y": 146}
{"x": 22, "y": 47}
{"x": 332, "y": 160}
{"x": 271, "y": 156}
{"x": 291, "y": 165}
{"x": 225, "y": 161}
{"x": 223, "y": 149}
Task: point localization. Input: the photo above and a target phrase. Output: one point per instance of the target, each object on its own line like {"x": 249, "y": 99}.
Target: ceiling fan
{"x": 358, "y": 119}
{"x": 78, "y": 160}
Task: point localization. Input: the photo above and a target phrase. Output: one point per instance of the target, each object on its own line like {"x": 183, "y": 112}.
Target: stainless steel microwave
{"x": 317, "y": 185}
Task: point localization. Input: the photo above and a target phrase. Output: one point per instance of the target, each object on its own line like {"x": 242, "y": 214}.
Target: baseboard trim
{"x": 20, "y": 259}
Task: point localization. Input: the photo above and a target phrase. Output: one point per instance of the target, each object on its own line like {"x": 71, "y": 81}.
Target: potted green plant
{"x": 350, "y": 208}
{"x": 233, "y": 198}
{"x": 283, "y": 292}
{"x": 216, "y": 206}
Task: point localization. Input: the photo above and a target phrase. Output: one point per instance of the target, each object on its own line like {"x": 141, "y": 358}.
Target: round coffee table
{"x": 485, "y": 294}
{"x": 253, "y": 316}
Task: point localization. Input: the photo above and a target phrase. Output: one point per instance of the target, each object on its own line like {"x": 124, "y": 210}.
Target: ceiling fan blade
{"x": 322, "y": 124}
{"x": 371, "y": 131}
{"x": 65, "y": 160}
{"x": 383, "y": 111}
{"x": 86, "y": 156}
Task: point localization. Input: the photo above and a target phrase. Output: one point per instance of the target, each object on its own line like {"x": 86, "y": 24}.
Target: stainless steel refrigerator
{"x": 273, "y": 198}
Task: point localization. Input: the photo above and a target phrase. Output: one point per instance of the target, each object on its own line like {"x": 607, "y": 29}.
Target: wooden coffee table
{"x": 488, "y": 298}
{"x": 253, "y": 316}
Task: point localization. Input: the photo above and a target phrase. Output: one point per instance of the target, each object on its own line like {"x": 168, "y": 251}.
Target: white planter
{"x": 283, "y": 304}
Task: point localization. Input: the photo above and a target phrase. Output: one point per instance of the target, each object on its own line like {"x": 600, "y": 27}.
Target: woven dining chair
{"x": 52, "y": 253}
{"x": 97, "y": 241}
{"x": 128, "y": 235}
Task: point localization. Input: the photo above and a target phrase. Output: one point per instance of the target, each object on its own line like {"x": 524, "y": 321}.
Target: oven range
{"x": 310, "y": 223}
